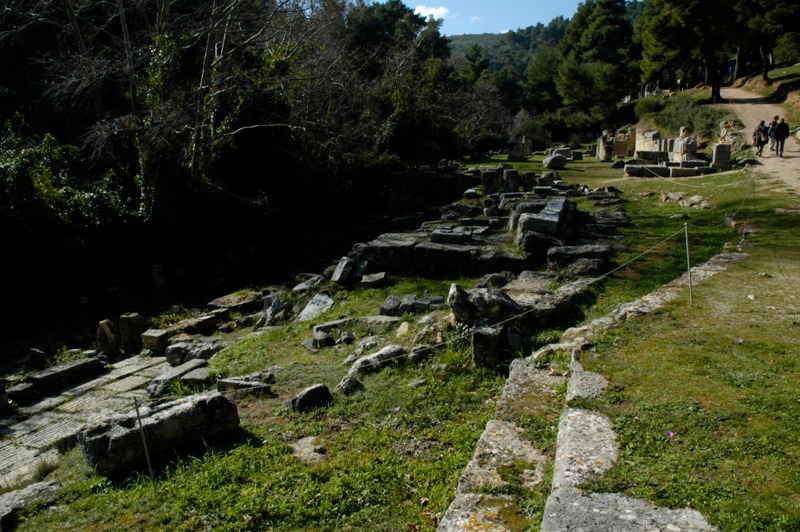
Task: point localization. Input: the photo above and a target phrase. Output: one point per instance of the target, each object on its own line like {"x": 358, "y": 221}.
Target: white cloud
{"x": 435, "y": 12}
{"x": 474, "y": 19}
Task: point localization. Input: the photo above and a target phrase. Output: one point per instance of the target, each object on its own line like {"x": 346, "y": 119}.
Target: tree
{"x": 476, "y": 64}
{"x": 593, "y": 74}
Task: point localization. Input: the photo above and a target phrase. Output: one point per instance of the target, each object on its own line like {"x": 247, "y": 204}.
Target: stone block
{"x": 198, "y": 377}
{"x": 160, "y": 385}
{"x": 243, "y": 301}
{"x": 108, "y": 339}
{"x": 311, "y": 398}
{"x": 14, "y": 501}
{"x": 318, "y": 305}
{"x": 131, "y": 327}
{"x": 24, "y": 393}
{"x": 683, "y": 172}
{"x": 253, "y": 384}
{"x": 390, "y": 306}
{"x": 555, "y": 162}
{"x": 114, "y": 446}
{"x": 391, "y": 354}
{"x": 374, "y": 280}
{"x": 344, "y": 270}
{"x": 52, "y": 380}
{"x": 156, "y": 340}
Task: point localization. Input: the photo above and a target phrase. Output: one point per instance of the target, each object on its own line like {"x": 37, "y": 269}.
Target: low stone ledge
{"x": 52, "y": 380}
{"x": 586, "y": 448}
{"x": 115, "y": 446}
{"x": 487, "y": 513}
{"x": 570, "y": 509}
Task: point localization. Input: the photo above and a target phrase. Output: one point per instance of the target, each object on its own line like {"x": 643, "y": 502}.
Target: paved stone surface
{"x": 586, "y": 447}
{"x": 34, "y": 434}
{"x": 570, "y": 509}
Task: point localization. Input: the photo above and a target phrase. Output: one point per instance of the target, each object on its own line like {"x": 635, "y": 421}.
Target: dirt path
{"x": 751, "y": 109}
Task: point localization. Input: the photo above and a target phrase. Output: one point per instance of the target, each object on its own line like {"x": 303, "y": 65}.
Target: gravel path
{"x": 751, "y": 109}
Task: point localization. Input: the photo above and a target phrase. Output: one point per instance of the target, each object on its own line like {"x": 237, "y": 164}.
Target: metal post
{"x": 688, "y": 263}
{"x": 144, "y": 441}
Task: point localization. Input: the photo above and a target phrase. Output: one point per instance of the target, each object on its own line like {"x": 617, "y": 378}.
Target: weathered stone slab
{"x": 243, "y": 301}
{"x": 127, "y": 384}
{"x": 391, "y": 251}
{"x": 344, "y": 270}
{"x": 54, "y": 379}
{"x": 115, "y": 446}
{"x": 309, "y": 284}
{"x": 586, "y": 448}
{"x": 14, "y": 501}
{"x": 572, "y": 509}
{"x": 24, "y": 393}
{"x": 528, "y": 391}
{"x": 432, "y": 257}
{"x": 197, "y": 377}
{"x": 374, "y": 280}
{"x": 560, "y": 256}
{"x": 487, "y": 513}
{"x": 238, "y": 387}
{"x": 545, "y": 221}
{"x": 318, "y": 305}
{"x": 391, "y": 354}
{"x": 683, "y": 172}
{"x": 371, "y": 324}
{"x": 555, "y": 162}
{"x": 159, "y": 385}
{"x": 501, "y": 445}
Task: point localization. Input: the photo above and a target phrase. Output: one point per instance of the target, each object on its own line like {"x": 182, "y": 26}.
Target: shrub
{"x": 649, "y": 105}
{"x": 681, "y": 111}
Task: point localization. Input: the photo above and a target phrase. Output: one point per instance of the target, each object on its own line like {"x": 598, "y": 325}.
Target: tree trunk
{"x": 766, "y": 61}
{"x": 76, "y": 30}
{"x": 126, "y": 38}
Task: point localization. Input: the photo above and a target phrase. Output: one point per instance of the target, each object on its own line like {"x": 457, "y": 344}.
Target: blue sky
{"x": 492, "y": 16}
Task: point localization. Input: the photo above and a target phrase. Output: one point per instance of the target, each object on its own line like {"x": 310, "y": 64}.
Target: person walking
{"x": 772, "y": 126}
{"x": 760, "y": 138}
{"x": 781, "y": 134}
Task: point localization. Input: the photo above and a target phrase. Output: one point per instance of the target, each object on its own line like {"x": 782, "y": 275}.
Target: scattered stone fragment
{"x": 391, "y": 354}
{"x": 348, "y": 385}
{"x": 311, "y": 398}
{"x": 344, "y": 270}
{"x": 309, "y": 284}
{"x": 243, "y": 301}
{"x": 374, "y": 280}
{"x": 420, "y": 353}
{"x": 242, "y": 386}
{"x": 318, "y": 305}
